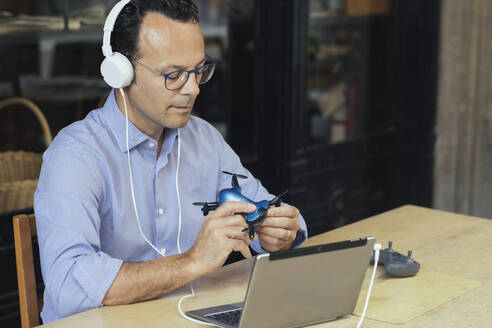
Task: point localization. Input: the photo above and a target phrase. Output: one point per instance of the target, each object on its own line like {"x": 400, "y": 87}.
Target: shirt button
{"x": 160, "y": 211}
{"x": 151, "y": 144}
{"x": 163, "y": 251}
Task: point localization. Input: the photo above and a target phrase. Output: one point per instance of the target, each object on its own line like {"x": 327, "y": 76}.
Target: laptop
{"x": 298, "y": 287}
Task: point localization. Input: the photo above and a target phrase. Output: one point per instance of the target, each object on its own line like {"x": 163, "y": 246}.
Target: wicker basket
{"x": 19, "y": 170}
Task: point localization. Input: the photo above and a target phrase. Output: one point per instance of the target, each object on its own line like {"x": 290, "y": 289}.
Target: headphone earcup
{"x": 117, "y": 70}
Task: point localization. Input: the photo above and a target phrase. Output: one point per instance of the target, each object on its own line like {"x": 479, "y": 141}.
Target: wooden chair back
{"x": 24, "y": 230}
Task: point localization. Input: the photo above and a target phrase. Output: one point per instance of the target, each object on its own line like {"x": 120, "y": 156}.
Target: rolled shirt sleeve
{"x": 76, "y": 273}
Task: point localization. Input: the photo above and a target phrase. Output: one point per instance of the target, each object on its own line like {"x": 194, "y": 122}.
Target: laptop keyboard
{"x": 229, "y": 317}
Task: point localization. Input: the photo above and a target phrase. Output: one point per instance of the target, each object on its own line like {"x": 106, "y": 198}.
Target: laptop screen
{"x": 301, "y": 286}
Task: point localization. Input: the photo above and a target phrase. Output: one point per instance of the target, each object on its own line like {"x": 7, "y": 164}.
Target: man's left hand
{"x": 279, "y": 230}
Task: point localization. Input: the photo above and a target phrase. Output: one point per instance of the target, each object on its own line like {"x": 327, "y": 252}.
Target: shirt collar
{"x": 116, "y": 121}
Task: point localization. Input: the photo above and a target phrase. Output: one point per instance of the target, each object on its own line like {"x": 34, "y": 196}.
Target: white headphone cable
{"x": 177, "y": 194}
{"x": 179, "y": 211}
{"x": 192, "y": 295}
{"x": 377, "y": 248}
{"x": 131, "y": 176}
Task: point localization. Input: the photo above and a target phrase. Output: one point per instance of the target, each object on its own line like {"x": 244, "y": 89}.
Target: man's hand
{"x": 220, "y": 235}
{"x": 279, "y": 229}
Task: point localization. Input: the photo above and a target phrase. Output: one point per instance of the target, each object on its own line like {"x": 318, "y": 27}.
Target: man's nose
{"x": 191, "y": 87}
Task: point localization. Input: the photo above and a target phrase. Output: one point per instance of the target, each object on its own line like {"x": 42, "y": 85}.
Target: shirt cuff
{"x": 301, "y": 237}
{"x": 95, "y": 274}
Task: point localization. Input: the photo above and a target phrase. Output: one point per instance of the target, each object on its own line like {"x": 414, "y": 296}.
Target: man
{"x": 94, "y": 250}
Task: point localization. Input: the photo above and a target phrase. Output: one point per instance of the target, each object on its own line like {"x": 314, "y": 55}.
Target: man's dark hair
{"x": 124, "y": 38}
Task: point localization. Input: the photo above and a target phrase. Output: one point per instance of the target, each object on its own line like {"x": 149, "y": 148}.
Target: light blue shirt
{"x": 84, "y": 211}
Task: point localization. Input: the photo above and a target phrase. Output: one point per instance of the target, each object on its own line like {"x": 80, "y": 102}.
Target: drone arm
{"x": 277, "y": 200}
{"x": 207, "y": 207}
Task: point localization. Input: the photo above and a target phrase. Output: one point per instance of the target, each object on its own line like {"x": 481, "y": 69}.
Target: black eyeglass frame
{"x": 188, "y": 72}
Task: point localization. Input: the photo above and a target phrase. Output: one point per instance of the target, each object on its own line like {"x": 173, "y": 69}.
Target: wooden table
{"x": 446, "y": 243}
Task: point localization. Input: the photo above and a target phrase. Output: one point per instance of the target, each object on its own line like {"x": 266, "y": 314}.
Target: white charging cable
{"x": 377, "y": 248}
{"x": 179, "y": 212}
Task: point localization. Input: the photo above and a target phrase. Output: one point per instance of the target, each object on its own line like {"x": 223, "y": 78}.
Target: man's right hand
{"x": 220, "y": 235}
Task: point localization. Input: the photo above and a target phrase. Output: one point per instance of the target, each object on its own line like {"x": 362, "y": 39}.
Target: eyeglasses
{"x": 177, "y": 79}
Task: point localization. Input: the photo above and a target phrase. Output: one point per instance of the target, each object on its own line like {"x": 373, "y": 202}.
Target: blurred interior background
{"x": 354, "y": 106}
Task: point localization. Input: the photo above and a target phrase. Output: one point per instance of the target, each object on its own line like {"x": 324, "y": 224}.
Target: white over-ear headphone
{"x": 116, "y": 68}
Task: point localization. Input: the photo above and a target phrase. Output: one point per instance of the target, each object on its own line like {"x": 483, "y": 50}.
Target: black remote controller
{"x": 397, "y": 264}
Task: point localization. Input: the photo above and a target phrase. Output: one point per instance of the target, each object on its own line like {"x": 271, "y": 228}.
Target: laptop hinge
{"x": 317, "y": 249}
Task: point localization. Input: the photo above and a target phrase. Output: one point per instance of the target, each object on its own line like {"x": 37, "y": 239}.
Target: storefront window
{"x": 349, "y": 60}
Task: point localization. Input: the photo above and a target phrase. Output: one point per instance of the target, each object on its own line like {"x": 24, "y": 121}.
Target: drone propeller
{"x": 276, "y": 201}
{"x": 207, "y": 206}
{"x": 204, "y": 203}
{"x": 234, "y": 177}
{"x": 236, "y": 174}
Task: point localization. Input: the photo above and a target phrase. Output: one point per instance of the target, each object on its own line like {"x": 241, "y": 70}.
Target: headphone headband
{"x": 109, "y": 25}
{"x": 116, "y": 69}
